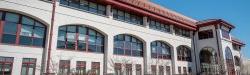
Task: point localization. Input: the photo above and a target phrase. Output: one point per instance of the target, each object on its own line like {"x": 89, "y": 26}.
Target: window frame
{"x": 159, "y": 54}
{"x": 133, "y": 19}
{"x": 7, "y": 62}
{"x": 206, "y": 34}
{"x": 163, "y": 27}
{"x": 19, "y": 24}
{"x": 127, "y": 48}
{"x": 77, "y": 40}
{"x": 96, "y": 66}
{"x": 28, "y": 65}
{"x": 84, "y": 5}
{"x": 64, "y": 64}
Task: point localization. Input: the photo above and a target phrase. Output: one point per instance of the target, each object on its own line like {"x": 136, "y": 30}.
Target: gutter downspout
{"x": 218, "y": 47}
{"x": 195, "y": 53}
{"x": 50, "y": 37}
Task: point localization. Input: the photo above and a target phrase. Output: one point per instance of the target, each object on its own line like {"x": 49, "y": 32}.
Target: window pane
{"x": 82, "y": 30}
{"x": 1, "y": 15}
{"x": 71, "y": 37}
{"x": 26, "y": 30}
{"x": 8, "y": 38}
{"x": 93, "y": 7}
{"x": 26, "y": 20}
{"x": 92, "y": 32}
{"x": 64, "y": 2}
{"x": 10, "y": 28}
{"x": 71, "y": 29}
{"x": 39, "y": 32}
{"x": 39, "y": 24}
{"x": 82, "y": 42}
{"x": 84, "y": 4}
{"x": 24, "y": 40}
{"x": 12, "y": 17}
{"x": 74, "y": 3}
{"x": 38, "y": 42}
{"x": 101, "y": 9}
{"x": 24, "y": 69}
{"x": 120, "y": 15}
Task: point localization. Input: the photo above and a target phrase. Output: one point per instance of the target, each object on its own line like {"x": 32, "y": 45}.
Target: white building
{"x": 134, "y": 37}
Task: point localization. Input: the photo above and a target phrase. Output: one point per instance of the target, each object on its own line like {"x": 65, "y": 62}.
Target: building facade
{"x": 102, "y": 37}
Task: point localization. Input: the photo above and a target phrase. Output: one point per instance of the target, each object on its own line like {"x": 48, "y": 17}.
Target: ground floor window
{"x": 168, "y": 72}
{"x": 138, "y": 69}
{"x": 179, "y": 70}
{"x": 161, "y": 70}
{"x": 118, "y": 69}
{"x": 81, "y": 68}
{"x": 95, "y": 68}
{"x": 6, "y": 65}
{"x": 185, "y": 70}
{"x": 64, "y": 67}
{"x": 28, "y": 66}
{"x": 153, "y": 69}
{"x": 128, "y": 69}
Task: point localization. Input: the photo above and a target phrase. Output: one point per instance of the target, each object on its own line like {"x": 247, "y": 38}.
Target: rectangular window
{"x": 28, "y": 66}
{"x": 159, "y": 26}
{"x": 153, "y": 69}
{"x": 179, "y": 70}
{"x": 81, "y": 68}
{"x": 64, "y": 67}
{"x": 168, "y": 70}
{"x": 185, "y": 70}
{"x": 225, "y": 34}
{"x": 189, "y": 70}
{"x": 161, "y": 70}
{"x": 127, "y": 17}
{"x": 205, "y": 34}
{"x": 128, "y": 69}
{"x": 6, "y": 64}
{"x": 182, "y": 32}
{"x": 95, "y": 66}
{"x": 138, "y": 69}
{"x": 118, "y": 69}
{"x": 9, "y": 32}
{"x": 85, "y": 5}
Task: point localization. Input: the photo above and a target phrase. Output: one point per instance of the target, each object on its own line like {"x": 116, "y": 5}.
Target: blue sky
{"x": 236, "y": 12}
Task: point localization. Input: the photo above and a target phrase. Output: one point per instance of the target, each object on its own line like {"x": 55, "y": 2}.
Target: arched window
{"x": 208, "y": 64}
{"x": 160, "y": 50}
{"x": 237, "y": 60}
{"x": 80, "y": 38}
{"x": 128, "y": 45}
{"x": 21, "y": 30}
{"x": 229, "y": 61}
{"x": 184, "y": 53}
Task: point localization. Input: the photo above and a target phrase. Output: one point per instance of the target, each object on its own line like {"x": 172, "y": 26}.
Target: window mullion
{"x": 19, "y": 26}
{"x": 1, "y": 30}
{"x": 76, "y": 40}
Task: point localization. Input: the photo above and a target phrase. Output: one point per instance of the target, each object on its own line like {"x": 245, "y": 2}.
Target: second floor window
{"x": 182, "y": 32}
{"x": 225, "y": 34}
{"x": 127, "y": 17}
{"x": 205, "y": 34}
{"x": 76, "y": 37}
{"x": 86, "y": 5}
{"x": 159, "y": 26}
{"x": 21, "y": 30}
{"x": 160, "y": 50}
{"x": 128, "y": 45}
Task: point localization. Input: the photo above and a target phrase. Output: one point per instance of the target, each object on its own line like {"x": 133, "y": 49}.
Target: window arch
{"x": 208, "y": 61}
{"x": 160, "y": 50}
{"x": 184, "y": 53}
{"x": 229, "y": 61}
{"x": 128, "y": 45}
{"x": 19, "y": 29}
{"x": 80, "y": 38}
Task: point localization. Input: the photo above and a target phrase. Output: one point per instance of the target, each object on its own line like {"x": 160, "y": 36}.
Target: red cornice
{"x": 238, "y": 42}
{"x": 141, "y": 7}
{"x": 215, "y": 22}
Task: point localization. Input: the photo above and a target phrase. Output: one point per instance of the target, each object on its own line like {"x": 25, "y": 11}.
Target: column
{"x": 108, "y": 12}
{"x": 147, "y": 58}
{"x": 108, "y": 53}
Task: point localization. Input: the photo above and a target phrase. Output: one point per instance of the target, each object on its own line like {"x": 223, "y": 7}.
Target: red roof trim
{"x": 155, "y": 16}
{"x": 238, "y": 43}
{"x": 215, "y": 21}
